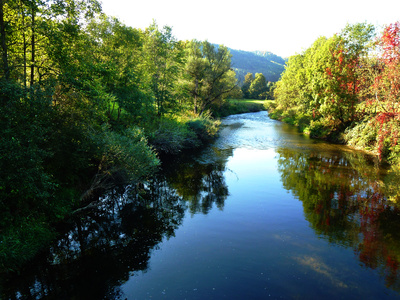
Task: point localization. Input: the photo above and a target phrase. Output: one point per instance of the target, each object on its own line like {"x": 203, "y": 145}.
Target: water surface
{"x": 264, "y": 212}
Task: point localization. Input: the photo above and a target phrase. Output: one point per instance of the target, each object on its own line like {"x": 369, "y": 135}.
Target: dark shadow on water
{"x": 99, "y": 249}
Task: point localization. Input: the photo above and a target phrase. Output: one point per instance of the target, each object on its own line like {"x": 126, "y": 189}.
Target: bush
{"x": 173, "y": 136}
{"x": 270, "y": 104}
{"x": 362, "y": 136}
{"x": 128, "y": 152}
{"x": 318, "y": 129}
{"x": 204, "y": 127}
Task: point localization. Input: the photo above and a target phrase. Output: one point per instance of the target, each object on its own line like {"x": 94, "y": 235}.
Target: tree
{"x": 164, "y": 61}
{"x": 208, "y": 75}
{"x": 322, "y": 85}
{"x": 258, "y": 87}
{"x": 248, "y": 79}
{"x": 113, "y": 56}
{"x": 289, "y": 91}
{"x": 386, "y": 89}
{"x": 3, "y": 41}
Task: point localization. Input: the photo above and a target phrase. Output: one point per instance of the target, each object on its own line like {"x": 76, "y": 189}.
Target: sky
{"x": 283, "y": 27}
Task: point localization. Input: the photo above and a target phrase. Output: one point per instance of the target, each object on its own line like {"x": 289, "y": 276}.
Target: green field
{"x": 239, "y": 106}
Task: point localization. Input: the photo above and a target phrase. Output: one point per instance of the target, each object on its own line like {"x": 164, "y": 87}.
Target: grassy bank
{"x": 239, "y": 106}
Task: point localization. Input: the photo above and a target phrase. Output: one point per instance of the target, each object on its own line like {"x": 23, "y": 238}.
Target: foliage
{"x": 346, "y": 88}
{"x": 258, "y": 87}
{"x": 163, "y": 59}
{"x": 174, "y": 135}
{"x": 208, "y": 78}
{"x": 379, "y": 93}
{"x": 344, "y": 85}
{"x": 129, "y": 152}
{"x": 79, "y": 93}
{"x": 248, "y": 79}
{"x": 20, "y": 242}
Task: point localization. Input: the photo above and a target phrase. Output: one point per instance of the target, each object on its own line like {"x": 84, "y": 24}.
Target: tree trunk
{"x": 33, "y": 49}
{"x": 24, "y": 45}
{"x": 3, "y": 41}
{"x": 195, "y": 95}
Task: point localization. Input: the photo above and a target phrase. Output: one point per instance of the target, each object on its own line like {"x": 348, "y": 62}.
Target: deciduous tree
{"x": 208, "y": 74}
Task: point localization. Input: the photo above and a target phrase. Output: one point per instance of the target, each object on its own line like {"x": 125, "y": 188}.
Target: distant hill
{"x": 269, "y": 64}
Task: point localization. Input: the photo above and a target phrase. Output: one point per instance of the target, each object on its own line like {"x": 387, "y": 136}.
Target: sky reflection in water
{"x": 264, "y": 212}
{"x": 300, "y": 221}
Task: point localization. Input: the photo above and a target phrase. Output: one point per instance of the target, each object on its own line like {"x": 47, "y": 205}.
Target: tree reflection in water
{"x": 201, "y": 184}
{"x": 349, "y": 201}
{"x": 101, "y": 248}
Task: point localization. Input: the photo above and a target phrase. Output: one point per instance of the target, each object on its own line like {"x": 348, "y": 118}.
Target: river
{"x": 262, "y": 213}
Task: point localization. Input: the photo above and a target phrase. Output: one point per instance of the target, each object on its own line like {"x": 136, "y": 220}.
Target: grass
{"x": 246, "y": 101}
{"x": 239, "y": 106}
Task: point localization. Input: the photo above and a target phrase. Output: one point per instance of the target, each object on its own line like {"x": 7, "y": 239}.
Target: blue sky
{"x": 284, "y": 27}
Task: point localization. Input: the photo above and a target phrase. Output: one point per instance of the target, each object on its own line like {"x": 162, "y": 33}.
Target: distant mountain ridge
{"x": 267, "y": 63}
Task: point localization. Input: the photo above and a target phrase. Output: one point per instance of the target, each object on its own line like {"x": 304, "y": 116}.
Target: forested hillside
{"x": 267, "y": 63}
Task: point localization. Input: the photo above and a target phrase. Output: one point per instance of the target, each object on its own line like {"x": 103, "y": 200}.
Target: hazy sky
{"x": 284, "y": 27}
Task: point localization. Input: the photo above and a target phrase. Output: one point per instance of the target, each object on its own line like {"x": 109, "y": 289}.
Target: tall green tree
{"x": 164, "y": 62}
{"x": 290, "y": 90}
{"x": 113, "y": 56}
{"x": 248, "y": 79}
{"x": 258, "y": 87}
{"x": 208, "y": 77}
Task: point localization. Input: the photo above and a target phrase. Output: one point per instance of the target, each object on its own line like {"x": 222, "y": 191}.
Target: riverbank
{"x": 168, "y": 137}
{"x": 259, "y": 203}
{"x": 349, "y": 136}
{"x": 239, "y": 106}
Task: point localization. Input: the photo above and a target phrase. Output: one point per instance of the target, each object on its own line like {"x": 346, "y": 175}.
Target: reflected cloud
{"x": 349, "y": 200}
{"x": 318, "y": 266}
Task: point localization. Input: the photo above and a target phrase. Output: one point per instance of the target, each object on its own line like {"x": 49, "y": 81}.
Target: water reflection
{"x": 348, "y": 201}
{"x": 102, "y": 247}
{"x": 200, "y": 181}
{"x": 255, "y": 249}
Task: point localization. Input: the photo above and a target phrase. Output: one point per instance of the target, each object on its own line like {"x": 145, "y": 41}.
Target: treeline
{"x": 257, "y": 87}
{"x": 346, "y": 88}
{"x": 86, "y": 100}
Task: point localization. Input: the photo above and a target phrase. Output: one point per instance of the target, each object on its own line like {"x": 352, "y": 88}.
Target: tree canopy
{"x": 86, "y": 99}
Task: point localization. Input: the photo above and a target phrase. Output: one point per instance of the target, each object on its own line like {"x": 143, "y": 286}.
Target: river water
{"x": 262, "y": 213}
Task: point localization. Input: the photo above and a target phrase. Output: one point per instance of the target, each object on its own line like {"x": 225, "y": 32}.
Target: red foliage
{"x": 390, "y": 43}
{"x": 386, "y": 88}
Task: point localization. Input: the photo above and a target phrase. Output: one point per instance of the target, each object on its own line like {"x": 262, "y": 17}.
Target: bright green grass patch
{"x": 238, "y": 106}
{"x": 247, "y": 101}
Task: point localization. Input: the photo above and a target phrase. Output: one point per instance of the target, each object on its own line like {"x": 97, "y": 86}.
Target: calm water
{"x": 263, "y": 213}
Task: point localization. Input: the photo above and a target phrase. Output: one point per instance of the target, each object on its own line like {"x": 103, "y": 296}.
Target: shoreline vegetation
{"x": 346, "y": 89}
{"x": 87, "y": 101}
